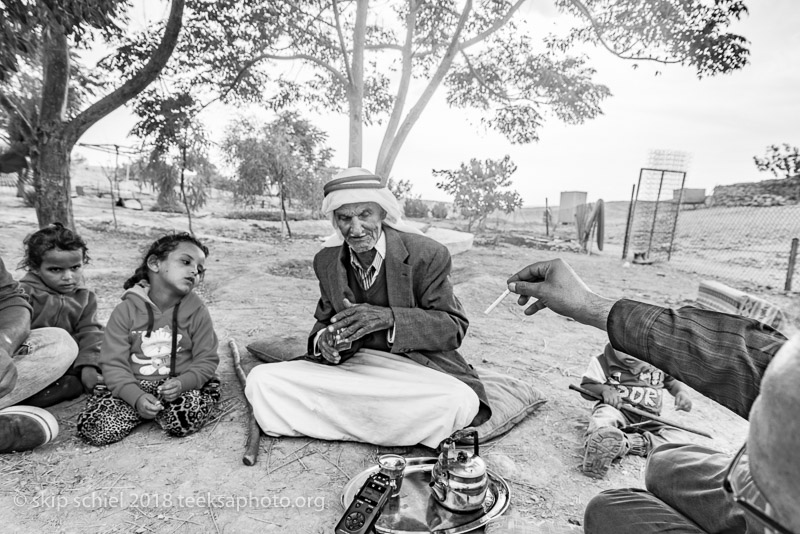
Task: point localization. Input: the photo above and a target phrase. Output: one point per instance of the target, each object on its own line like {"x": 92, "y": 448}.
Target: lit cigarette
{"x": 496, "y": 302}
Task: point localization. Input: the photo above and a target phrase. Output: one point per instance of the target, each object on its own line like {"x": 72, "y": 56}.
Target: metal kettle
{"x": 458, "y": 479}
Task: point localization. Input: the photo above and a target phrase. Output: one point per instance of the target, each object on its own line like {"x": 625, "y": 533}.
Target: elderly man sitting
{"x": 382, "y": 364}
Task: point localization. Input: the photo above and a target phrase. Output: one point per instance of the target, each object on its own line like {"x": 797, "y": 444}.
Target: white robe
{"x": 373, "y": 397}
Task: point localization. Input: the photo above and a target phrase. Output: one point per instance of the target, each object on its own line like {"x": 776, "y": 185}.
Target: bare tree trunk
{"x": 355, "y": 91}
{"x": 22, "y": 179}
{"x": 50, "y": 158}
{"x": 284, "y": 216}
{"x": 183, "y": 189}
{"x": 51, "y": 182}
{"x": 113, "y": 198}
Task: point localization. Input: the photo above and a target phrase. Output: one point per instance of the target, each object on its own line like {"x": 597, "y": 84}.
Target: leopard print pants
{"x": 107, "y": 419}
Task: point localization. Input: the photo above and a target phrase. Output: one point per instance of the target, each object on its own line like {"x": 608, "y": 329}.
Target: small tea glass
{"x": 393, "y": 466}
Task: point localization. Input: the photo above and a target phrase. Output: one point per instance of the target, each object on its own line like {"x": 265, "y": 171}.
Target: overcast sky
{"x": 722, "y": 122}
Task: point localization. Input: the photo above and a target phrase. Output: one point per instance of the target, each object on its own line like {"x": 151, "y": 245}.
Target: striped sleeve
{"x": 720, "y": 355}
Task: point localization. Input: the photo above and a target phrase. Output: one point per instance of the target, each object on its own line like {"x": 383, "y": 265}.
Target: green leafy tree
{"x": 383, "y": 62}
{"x": 415, "y": 208}
{"x": 401, "y": 189}
{"x": 288, "y": 155}
{"x": 439, "y": 211}
{"x": 781, "y": 160}
{"x": 477, "y": 188}
{"x": 47, "y": 34}
{"x": 179, "y": 143}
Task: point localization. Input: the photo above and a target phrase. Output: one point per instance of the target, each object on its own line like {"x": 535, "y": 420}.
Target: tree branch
{"x": 12, "y": 109}
{"x": 499, "y": 23}
{"x": 317, "y": 18}
{"x": 385, "y": 165}
{"x": 342, "y": 45}
{"x": 597, "y": 30}
{"x": 466, "y": 44}
{"x": 327, "y": 66}
{"x": 384, "y": 46}
{"x": 482, "y": 82}
{"x": 239, "y": 77}
{"x": 136, "y": 84}
{"x": 405, "y": 82}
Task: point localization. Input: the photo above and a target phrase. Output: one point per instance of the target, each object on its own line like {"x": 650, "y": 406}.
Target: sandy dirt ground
{"x": 259, "y": 286}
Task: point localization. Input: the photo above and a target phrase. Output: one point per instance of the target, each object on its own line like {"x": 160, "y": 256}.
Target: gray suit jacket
{"x": 430, "y": 322}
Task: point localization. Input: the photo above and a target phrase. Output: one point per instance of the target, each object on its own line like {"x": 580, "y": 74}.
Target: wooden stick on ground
{"x": 253, "y": 430}
{"x": 643, "y": 413}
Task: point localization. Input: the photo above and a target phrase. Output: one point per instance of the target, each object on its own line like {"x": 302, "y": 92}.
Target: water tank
{"x": 566, "y": 208}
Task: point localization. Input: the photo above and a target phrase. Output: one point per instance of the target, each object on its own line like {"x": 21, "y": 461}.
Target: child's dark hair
{"x": 52, "y": 236}
{"x": 161, "y": 248}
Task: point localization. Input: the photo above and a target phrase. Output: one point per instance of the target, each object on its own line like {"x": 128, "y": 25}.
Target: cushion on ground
{"x": 279, "y": 349}
{"x": 511, "y": 399}
{"x": 716, "y": 296}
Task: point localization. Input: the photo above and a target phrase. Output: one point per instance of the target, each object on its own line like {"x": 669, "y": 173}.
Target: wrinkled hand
{"x": 90, "y": 377}
{"x": 327, "y": 346}
{"x": 556, "y": 286}
{"x": 683, "y": 402}
{"x": 611, "y": 397}
{"x": 358, "y": 320}
{"x": 8, "y": 373}
{"x": 171, "y": 389}
{"x": 148, "y": 406}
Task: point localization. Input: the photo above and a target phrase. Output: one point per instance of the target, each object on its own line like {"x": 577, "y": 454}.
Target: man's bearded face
{"x": 360, "y": 224}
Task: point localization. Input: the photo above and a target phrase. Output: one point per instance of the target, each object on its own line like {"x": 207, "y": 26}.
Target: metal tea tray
{"x": 415, "y": 510}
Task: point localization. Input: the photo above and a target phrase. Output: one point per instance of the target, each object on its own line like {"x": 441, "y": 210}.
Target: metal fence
{"x": 654, "y": 214}
{"x": 743, "y": 246}
{"x": 747, "y": 247}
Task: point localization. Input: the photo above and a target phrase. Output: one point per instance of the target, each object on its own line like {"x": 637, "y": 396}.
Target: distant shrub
{"x": 168, "y": 208}
{"x": 439, "y": 211}
{"x": 266, "y": 215}
{"x": 223, "y": 183}
{"x": 415, "y": 208}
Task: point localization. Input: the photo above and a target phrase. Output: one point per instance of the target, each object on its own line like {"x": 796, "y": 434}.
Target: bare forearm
{"x": 596, "y": 312}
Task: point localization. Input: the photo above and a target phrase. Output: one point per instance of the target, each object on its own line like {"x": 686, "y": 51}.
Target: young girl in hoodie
{"x": 159, "y": 352}
{"x": 54, "y": 285}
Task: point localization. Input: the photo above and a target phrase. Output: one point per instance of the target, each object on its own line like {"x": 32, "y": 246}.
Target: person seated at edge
{"x": 742, "y": 364}
{"x": 30, "y": 360}
{"x": 384, "y": 289}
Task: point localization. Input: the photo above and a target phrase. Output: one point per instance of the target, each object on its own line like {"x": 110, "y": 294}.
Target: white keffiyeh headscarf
{"x": 357, "y": 185}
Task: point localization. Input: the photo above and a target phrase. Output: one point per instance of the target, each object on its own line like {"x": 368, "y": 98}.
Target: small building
{"x": 690, "y": 196}
{"x": 566, "y": 207}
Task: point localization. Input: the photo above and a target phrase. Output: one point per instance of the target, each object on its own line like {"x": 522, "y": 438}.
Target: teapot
{"x": 458, "y": 480}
